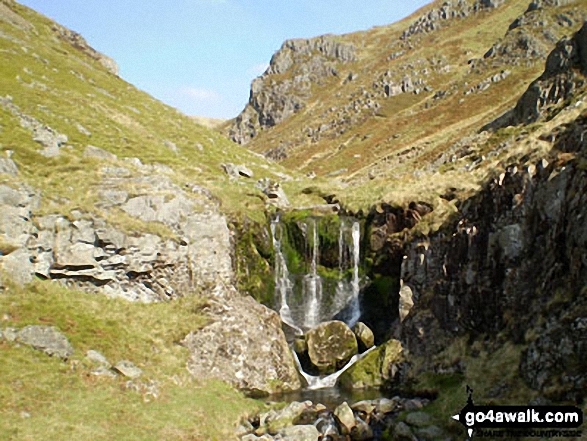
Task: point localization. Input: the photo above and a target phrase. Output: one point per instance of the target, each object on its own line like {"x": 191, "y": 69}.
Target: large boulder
{"x": 377, "y": 369}
{"x": 331, "y": 345}
{"x": 244, "y": 346}
{"x": 47, "y": 339}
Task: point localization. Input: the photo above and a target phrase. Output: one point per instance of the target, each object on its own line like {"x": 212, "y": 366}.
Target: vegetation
{"x": 46, "y": 398}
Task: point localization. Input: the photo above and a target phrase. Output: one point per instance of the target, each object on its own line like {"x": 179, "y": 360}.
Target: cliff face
{"x": 388, "y": 101}
{"x": 511, "y": 266}
{"x": 286, "y": 86}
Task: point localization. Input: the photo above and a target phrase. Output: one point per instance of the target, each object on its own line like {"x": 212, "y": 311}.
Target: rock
{"x": 367, "y": 407}
{"x": 237, "y": 171}
{"x": 331, "y": 345}
{"x": 286, "y": 416}
{"x": 128, "y": 369}
{"x": 299, "y": 433}
{"x": 418, "y": 419}
{"x": 243, "y": 332}
{"x": 385, "y": 405}
{"x": 556, "y": 84}
{"x": 98, "y": 153}
{"x": 7, "y": 166}
{"x": 362, "y": 431}
{"x": 376, "y": 369}
{"x": 413, "y": 404}
{"x": 103, "y": 371}
{"x": 300, "y": 345}
{"x": 274, "y": 192}
{"x": 345, "y": 418}
{"x": 430, "y": 433}
{"x": 18, "y": 264}
{"x": 406, "y": 301}
{"x": 365, "y": 337}
{"x": 272, "y": 102}
{"x": 252, "y": 437}
{"x": 403, "y": 432}
{"x": 9, "y": 334}
{"x": 47, "y": 339}
{"x": 97, "y": 358}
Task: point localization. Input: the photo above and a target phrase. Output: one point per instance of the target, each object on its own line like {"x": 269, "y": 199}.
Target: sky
{"x": 200, "y": 56}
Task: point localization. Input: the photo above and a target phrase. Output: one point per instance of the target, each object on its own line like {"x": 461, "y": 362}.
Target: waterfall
{"x": 317, "y": 382}
{"x": 313, "y": 283}
{"x": 355, "y": 312}
{"x": 283, "y": 284}
{"x": 306, "y": 300}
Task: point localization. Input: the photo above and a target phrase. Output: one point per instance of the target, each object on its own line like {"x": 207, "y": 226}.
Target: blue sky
{"x": 200, "y": 56}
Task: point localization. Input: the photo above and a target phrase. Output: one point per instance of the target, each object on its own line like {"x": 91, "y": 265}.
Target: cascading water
{"x": 313, "y": 283}
{"x": 355, "y": 309}
{"x": 306, "y": 304}
{"x": 317, "y": 382}
{"x": 283, "y": 284}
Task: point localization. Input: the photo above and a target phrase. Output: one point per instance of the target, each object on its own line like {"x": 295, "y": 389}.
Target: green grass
{"x": 65, "y": 401}
{"x": 120, "y": 119}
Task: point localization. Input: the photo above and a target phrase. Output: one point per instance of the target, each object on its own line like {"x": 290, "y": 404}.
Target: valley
{"x": 397, "y": 215}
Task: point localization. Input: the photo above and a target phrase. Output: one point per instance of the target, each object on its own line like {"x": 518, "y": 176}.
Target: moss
{"x": 254, "y": 260}
{"x": 364, "y": 374}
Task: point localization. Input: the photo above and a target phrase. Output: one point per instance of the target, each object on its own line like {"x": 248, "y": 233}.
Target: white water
{"x": 283, "y": 284}
{"x": 355, "y": 306}
{"x": 312, "y": 310}
{"x": 318, "y": 382}
{"x": 308, "y": 305}
{"x": 313, "y": 284}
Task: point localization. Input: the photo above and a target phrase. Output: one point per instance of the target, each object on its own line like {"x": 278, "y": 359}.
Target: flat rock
{"x": 300, "y": 433}
{"x": 97, "y": 358}
{"x": 128, "y": 369}
{"x": 47, "y": 339}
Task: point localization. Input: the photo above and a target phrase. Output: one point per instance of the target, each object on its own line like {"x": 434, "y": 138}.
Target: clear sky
{"x": 200, "y": 56}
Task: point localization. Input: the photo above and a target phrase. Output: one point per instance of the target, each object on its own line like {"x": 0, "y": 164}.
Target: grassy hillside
{"x": 46, "y": 398}
{"x": 53, "y": 83}
{"x": 420, "y": 143}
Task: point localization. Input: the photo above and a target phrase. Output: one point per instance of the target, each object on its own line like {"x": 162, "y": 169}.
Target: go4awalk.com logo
{"x": 520, "y": 421}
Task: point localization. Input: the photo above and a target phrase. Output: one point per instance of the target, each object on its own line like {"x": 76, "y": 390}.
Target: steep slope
{"x": 104, "y": 190}
{"x": 402, "y": 105}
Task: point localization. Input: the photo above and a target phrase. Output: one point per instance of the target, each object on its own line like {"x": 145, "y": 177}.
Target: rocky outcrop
{"x": 512, "y": 263}
{"x": 78, "y": 42}
{"x": 532, "y": 35}
{"x": 564, "y": 73}
{"x": 244, "y": 346}
{"x": 87, "y": 251}
{"x": 285, "y": 87}
{"x": 449, "y": 10}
